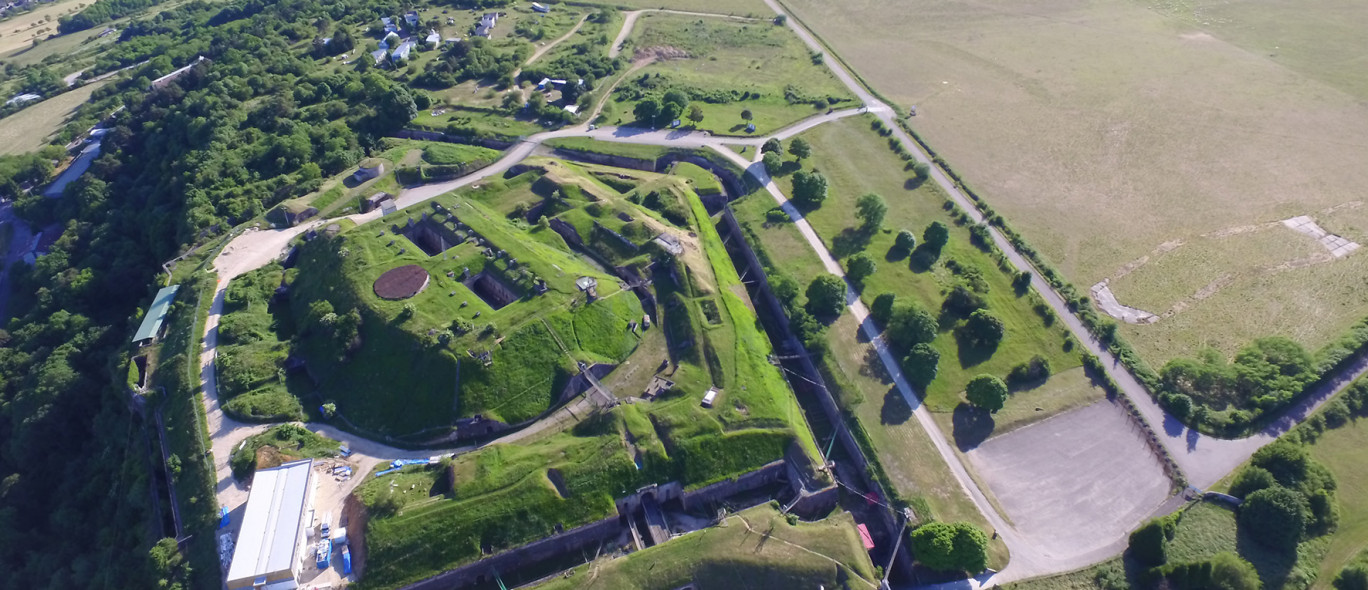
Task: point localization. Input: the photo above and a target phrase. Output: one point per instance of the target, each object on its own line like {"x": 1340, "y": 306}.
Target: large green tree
{"x": 809, "y": 188}
{"x": 951, "y": 547}
{"x": 987, "y": 392}
{"x": 1275, "y": 517}
{"x": 870, "y": 209}
{"x": 826, "y": 295}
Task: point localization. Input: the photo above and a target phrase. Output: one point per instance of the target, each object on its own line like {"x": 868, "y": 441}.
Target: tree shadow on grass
{"x": 874, "y": 368}
{"x": 896, "y": 254}
{"x": 970, "y": 353}
{"x": 923, "y": 258}
{"x": 914, "y": 183}
{"x": 850, "y": 241}
{"x": 972, "y": 426}
{"x": 895, "y": 409}
{"x": 1274, "y": 565}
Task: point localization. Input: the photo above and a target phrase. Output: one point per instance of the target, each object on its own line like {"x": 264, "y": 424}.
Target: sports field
{"x": 1104, "y": 130}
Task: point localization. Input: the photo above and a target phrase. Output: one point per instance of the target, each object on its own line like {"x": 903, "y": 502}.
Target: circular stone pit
{"x": 402, "y": 282}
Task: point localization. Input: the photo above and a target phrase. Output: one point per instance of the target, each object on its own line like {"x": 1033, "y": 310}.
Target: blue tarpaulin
{"x": 223, "y": 518}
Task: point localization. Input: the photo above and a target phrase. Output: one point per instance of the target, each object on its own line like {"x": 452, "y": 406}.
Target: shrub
{"x": 922, "y": 170}
{"x": 1250, "y": 480}
{"x": 1022, "y": 282}
{"x": 882, "y": 308}
{"x": 1178, "y": 404}
{"x": 773, "y": 163}
{"x": 772, "y": 146}
{"x": 1336, "y": 413}
{"x": 1032, "y": 371}
{"x": 910, "y": 325}
{"x": 921, "y": 364}
{"x": 1229, "y": 572}
{"x": 951, "y": 547}
{"x": 1275, "y": 517}
{"x": 983, "y": 330}
{"x": 859, "y": 267}
{"x": 826, "y": 295}
{"x": 905, "y": 241}
{"x": 1149, "y": 544}
{"x": 809, "y": 188}
{"x": 1353, "y": 577}
{"x": 986, "y": 392}
{"x": 776, "y": 215}
{"x": 936, "y": 235}
{"x": 962, "y": 301}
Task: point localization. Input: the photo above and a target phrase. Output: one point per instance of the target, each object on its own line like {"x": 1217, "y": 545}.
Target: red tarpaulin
{"x": 864, "y": 536}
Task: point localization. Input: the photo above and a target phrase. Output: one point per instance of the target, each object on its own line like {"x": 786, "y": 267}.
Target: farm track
{"x": 1202, "y": 458}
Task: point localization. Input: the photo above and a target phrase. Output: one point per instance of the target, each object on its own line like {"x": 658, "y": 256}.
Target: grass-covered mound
{"x": 502, "y": 496}
{"x": 757, "y": 548}
{"x": 497, "y": 332}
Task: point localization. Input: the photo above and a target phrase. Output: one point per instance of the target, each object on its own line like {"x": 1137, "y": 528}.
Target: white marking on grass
{"x": 1106, "y": 301}
{"x": 1338, "y": 246}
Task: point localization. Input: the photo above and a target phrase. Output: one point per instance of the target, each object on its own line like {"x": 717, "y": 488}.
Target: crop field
{"x": 856, "y": 161}
{"x": 504, "y": 495}
{"x": 730, "y": 66}
{"x": 32, "y": 128}
{"x": 756, "y": 548}
{"x": 1105, "y": 130}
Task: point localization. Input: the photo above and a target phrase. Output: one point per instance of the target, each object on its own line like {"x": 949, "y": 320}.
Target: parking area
{"x": 1074, "y": 485}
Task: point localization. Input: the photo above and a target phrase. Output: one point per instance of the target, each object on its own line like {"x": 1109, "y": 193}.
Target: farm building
{"x": 369, "y": 168}
{"x": 433, "y": 38}
{"x": 486, "y": 27}
{"x": 402, "y": 53}
{"x": 271, "y": 543}
{"x": 156, "y": 314}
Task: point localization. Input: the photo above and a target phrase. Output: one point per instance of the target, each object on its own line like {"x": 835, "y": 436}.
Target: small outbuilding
{"x": 539, "y": 7}
{"x": 710, "y": 397}
{"x": 369, "y": 168}
{"x": 151, "y": 327}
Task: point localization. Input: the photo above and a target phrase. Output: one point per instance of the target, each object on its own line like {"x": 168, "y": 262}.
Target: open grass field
{"x": 856, "y": 161}
{"x": 19, "y": 31}
{"x": 754, "y": 548}
{"x": 32, "y": 128}
{"x": 736, "y": 65}
{"x": 1102, "y": 130}
{"x": 755, "y": 8}
{"x": 477, "y": 119}
{"x": 1344, "y": 451}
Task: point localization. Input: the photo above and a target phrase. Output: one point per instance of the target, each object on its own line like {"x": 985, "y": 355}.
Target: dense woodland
{"x": 259, "y": 122}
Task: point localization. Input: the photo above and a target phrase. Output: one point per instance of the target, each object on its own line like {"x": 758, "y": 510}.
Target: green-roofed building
{"x": 152, "y": 322}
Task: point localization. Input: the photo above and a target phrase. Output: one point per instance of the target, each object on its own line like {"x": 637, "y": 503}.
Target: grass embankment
{"x": 730, "y": 66}
{"x": 639, "y": 151}
{"x": 755, "y": 548}
{"x": 502, "y": 496}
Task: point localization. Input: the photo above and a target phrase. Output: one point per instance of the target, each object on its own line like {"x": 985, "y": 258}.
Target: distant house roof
{"x": 167, "y": 79}
{"x": 572, "y": 109}
{"x": 156, "y": 314}
{"x": 403, "y": 51}
{"x": 670, "y": 243}
{"x": 540, "y": 7}
{"x": 22, "y": 98}
{"x": 586, "y": 283}
{"x": 865, "y": 537}
{"x": 411, "y": 18}
{"x": 433, "y": 37}
{"x": 271, "y": 524}
{"x": 378, "y": 55}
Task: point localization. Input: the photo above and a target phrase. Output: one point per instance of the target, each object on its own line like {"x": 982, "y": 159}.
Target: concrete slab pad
{"x": 1075, "y": 484}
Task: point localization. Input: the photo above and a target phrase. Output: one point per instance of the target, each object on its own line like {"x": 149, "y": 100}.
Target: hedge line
{"x": 436, "y": 172}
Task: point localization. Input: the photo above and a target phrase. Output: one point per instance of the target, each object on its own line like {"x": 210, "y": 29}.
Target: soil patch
{"x": 402, "y": 282}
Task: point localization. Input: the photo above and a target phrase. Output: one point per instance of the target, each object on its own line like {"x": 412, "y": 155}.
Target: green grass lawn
{"x": 254, "y": 341}
{"x": 754, "y": 548}
{"x": 856, "y": 161}
{"x": 478, "y": 119}
{"x": 1344, "y": 451}
{"x": 731, "y": 66}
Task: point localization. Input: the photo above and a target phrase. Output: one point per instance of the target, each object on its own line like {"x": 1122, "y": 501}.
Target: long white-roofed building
{"x": 270, "y": 547}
